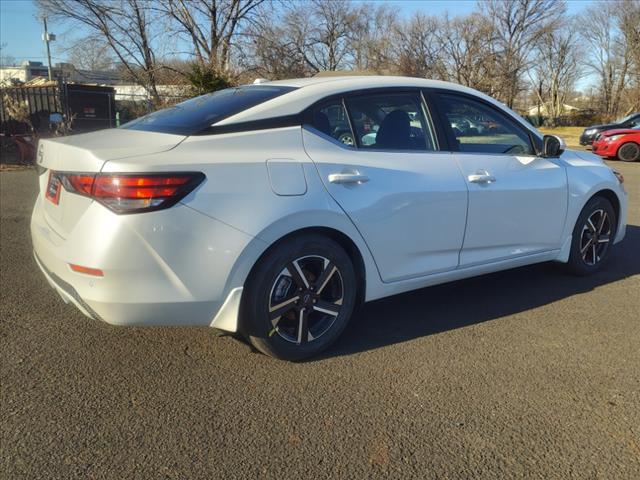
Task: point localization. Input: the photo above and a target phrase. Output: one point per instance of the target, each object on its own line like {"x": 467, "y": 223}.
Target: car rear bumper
{"x": 163, "y": 268}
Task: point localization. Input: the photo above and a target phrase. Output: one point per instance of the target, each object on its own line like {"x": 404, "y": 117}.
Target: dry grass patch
{"x": 571, "y": 135}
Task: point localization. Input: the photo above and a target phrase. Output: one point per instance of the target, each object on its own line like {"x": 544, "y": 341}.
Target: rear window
{"x": 196, "y": 114}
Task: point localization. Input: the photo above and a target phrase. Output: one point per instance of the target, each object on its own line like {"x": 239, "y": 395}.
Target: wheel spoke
{"x": 591, "y": 226}
{"x": 297, "y": 274}
{"x": 604, "y": 239}
{"x": 327, "y": 307}
{"x": 601, "y": 220}
{"x": 325, "y": 276}
{"x": 282, "y": 308}
{"x": 593, "y": 253}
{"x": 303, "y": 327}
{"x": 584, "y": 249}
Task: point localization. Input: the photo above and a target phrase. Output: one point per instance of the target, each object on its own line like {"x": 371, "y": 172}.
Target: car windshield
{"x": 196, "y": 114}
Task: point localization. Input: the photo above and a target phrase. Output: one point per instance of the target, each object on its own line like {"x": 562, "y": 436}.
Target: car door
{"x": 380, "y": 161}
{"x": 517, "y": 200}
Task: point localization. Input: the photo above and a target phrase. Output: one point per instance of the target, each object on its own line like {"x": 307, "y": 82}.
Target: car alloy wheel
{"x": 305, "y": 300}
{"x": 595, "y": 237}
{"x": 346, "y": 139}
{"x": 592, "y": 237}
{"x": 629, "y": 152}
{"x": 300, "y": 297}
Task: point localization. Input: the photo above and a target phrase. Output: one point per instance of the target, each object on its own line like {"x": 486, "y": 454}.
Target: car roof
{"x": 310, "y": 90}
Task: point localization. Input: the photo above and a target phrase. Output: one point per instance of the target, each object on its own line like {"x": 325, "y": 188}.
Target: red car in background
{"x": 622, "y": 143}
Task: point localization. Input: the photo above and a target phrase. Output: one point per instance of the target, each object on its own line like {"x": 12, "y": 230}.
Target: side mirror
{"x": 552, "y": 146}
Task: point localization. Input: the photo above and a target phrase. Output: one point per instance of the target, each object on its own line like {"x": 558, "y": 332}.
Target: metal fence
{"x": 83, "y": 107}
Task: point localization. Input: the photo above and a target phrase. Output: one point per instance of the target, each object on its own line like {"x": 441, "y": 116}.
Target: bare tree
{"x": 518, "y": 25}
{"x": 127, "y": 27}
{"x": 608, "y": 57}
{"x": 373, "y": 38}
{"x": 91, "y": 53}
{"x": 314, "y": 36}
{"x": 557, "y": 68}
{"x": 5, "y": 58}
{"x": 211, "y": 26}
{"x": 419, "y": 49}
{"x": 628, "y": 14}
{"x": 468, "y": 50}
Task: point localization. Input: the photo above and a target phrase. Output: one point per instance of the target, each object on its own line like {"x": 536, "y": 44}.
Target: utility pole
{"x": 48, "y": 37}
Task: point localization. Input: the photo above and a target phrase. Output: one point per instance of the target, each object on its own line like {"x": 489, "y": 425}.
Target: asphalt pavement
{"x": 528, "y": 373}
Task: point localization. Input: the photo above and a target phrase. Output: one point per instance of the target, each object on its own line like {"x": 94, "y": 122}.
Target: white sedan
{"x": 245, "y": 211}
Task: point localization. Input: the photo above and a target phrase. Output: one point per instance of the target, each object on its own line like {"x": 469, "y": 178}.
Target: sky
{"x": 21, "y": 31}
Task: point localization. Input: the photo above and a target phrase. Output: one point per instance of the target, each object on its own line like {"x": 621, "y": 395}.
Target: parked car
{"x": 589, "y": 134}
{"x": 240, "y": 210}
{"x": 464, "y": 126}
{"x": 623, "y": 144}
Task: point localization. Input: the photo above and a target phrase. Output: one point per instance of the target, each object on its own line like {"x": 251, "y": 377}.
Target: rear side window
{"x": 478, "y": 128}
{"x": 331, "y": 119}
{"x": 391, "y": 121}
{"x": 196, "y": 114}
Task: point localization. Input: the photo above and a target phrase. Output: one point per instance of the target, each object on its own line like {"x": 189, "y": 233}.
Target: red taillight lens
{"x": 133, "y": 193}
{"x": 82, "y": 184}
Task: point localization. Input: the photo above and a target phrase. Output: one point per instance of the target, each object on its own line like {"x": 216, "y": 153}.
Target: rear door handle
{"x": 481, "y": 176}
{"x": 348, "y": 178}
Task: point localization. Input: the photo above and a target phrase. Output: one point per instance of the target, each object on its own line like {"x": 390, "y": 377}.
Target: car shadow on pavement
{"x": 466, "y": 302}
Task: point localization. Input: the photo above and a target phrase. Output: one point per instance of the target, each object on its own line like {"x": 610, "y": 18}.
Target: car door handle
{"x": 347, "y": 178}
{"x": 481, "y": 176}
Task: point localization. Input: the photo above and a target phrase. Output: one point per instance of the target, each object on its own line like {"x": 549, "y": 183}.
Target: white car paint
{"x": 417, "y": 221}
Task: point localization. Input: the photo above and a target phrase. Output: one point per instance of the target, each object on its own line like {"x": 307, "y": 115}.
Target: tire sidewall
{"x": 256, "y": 324}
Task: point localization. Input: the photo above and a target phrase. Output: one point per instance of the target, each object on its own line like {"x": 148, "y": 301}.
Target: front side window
{"x": 331, "y": 119}
{"x": 478, "y": 128}
{"x": 390, "y": 121}
{"x": 196, "y": 114}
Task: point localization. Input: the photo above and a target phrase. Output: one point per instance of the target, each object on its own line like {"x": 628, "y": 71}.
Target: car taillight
{"x": 132, "y": 193}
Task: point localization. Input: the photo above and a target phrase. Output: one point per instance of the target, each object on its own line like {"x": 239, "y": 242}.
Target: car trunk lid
{"x": 87, "y": 153}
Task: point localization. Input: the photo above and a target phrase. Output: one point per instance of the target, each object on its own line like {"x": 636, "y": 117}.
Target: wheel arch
{"x": 611, "y": 196}
{"x": 344, "y": 240}
{"x": 245, "y": 268}
{"x": 334, "y": 224}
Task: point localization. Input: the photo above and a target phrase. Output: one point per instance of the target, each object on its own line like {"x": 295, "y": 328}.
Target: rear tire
{"x": 629, "y": 152}
{"x": 299, "y": 297}
{"x": 593, "y": 237}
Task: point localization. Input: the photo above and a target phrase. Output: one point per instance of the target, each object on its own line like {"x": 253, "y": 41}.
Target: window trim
{"x": 307, "y": 115}
{"x": 393, "y": 91}
{"x": 435, "y": 95}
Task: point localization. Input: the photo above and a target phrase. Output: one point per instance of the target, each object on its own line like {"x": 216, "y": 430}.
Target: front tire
{"x": 629, "y": 152}
{"x": 592, "y": 237}
{"x": 299, "y": 297}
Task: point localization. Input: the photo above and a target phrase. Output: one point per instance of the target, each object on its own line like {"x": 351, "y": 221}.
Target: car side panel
{"x": 238, "y": 191}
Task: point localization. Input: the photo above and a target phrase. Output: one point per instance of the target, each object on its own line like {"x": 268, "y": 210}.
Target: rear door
{"x": 379, "y": 158}
{"x": 517, "y": 200}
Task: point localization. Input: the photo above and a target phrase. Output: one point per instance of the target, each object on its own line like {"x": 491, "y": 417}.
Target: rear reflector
{"x": 96, "y": 272}
{"x": 131, "y": 193}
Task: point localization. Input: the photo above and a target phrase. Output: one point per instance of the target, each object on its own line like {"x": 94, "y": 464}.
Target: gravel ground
{"x": 526, "y": 373}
